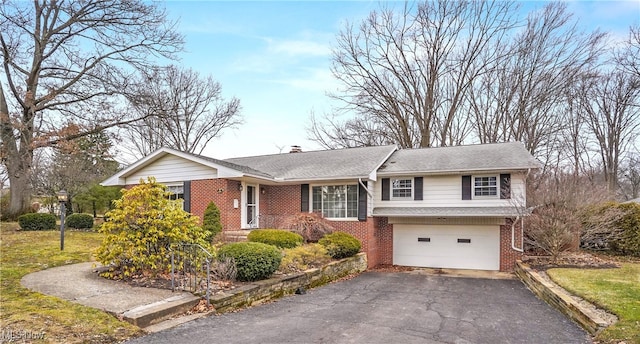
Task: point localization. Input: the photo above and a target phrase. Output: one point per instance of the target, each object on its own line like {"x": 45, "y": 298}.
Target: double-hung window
{"x": 335, "y": 201}
{"x": 401, "y": 188}
{"x": 485, "y": 186}
{"x": 176, "y": 192}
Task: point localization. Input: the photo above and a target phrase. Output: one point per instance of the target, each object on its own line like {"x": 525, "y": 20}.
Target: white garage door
{"x": 447, "y": 246}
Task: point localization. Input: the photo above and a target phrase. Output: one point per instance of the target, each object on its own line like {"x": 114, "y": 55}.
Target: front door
{"x": 251, "y": 207}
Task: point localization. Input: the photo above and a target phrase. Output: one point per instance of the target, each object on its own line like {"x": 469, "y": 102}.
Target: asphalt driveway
{"x": 389, "y": 308}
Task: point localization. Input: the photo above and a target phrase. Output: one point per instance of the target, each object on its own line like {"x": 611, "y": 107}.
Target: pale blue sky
{"x": 275, "y": 57}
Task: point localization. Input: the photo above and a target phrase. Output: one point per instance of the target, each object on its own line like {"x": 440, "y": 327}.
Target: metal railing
{"x": 191, "y": 269}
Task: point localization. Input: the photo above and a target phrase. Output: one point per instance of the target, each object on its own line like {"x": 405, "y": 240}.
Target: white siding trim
{"x": 446, "y": 191}
{"x": 447, "y": 221}
{"x": 171, "y": 168}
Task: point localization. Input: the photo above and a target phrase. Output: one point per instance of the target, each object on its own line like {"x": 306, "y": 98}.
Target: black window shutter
{"x": 362, "y": 202}
{"x": 186, "y": 187}
{"x": 505, "y": 186}
{"x": 466, "y": 187}
{"x": 304, "y": 198}
{"x": 386, "y": 189}
{"x": 417, "y": 189}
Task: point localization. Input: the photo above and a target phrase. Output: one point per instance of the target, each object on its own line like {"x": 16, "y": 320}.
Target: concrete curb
{"x": 150, "y": 314}
{"x": 560, "y": 299}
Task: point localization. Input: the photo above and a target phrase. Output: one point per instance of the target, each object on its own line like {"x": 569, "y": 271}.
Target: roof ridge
{"x": 307, "y": 152}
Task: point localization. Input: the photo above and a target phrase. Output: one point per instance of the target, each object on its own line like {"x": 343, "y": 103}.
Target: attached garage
{"x": 447, "y": 246}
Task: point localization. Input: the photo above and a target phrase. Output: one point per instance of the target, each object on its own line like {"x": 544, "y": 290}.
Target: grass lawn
{"x": 27, "y": 313}
{"x": 616, "y": 290}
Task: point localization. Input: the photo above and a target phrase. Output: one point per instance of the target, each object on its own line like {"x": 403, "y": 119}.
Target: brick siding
{"x": 509, "y": 256}
{"x": 222, "y": 192}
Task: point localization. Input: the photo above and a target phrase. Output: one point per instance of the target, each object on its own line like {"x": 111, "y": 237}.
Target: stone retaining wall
{"x": 559, "y": 299}
{"x": 273, "y": 288}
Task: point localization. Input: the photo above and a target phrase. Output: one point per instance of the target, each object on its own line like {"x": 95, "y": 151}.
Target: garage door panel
{"x": 440, "y": 246}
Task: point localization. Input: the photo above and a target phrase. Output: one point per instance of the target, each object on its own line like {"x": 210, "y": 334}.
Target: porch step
{"x": 235, "y": 236}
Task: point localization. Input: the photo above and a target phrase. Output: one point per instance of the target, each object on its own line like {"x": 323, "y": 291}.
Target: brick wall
{"x": 509, "y": 256}
{"x": 280, "y": 201}
{"x": 222, "y": 192}
{"x": 384, "y": 236}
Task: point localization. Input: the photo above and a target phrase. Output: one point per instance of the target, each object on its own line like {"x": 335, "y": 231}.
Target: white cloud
{"x": 299, "y": 47}
{"x": 318, "y": 80}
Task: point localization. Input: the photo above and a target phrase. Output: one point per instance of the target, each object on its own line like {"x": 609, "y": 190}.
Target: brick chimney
{"x": 295, "y": 149}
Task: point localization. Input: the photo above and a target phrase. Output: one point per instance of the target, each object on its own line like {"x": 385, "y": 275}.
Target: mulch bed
{"x": 577, "y": 259}
{"x": 391, "y": 268}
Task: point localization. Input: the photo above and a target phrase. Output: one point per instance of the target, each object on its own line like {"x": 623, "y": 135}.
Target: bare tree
{"x": 558, "y": 199}
{"x": 183, "y": 110}
{"x": 628, "y": 58}
{"x": 630, "y": 177}
{"x": 611, "y": 106}
{"x": 523, "y": 97}
{"x": 332, "y": 133}
{"x": 66, "y": 61}
{"x": 405, "y": 74}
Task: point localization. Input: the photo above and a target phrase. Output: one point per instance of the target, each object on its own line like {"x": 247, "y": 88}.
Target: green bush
{"x": 37, "y": 222}
{"x": 211, "y": 221}
{"x": 254, "y": 260}
{"x": 612, "y": 226}
{"x": 340, "y": 245}
{"x": 79, "y": 221}
{"x": 276, "y": 237}
{"x": 303, "y": 257}
{"x": 628, "y": 242}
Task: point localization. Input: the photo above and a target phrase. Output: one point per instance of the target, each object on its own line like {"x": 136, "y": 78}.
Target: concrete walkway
{"x": 81, "y": 283}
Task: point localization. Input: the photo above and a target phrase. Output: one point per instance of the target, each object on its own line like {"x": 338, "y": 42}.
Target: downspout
{"x": 513, "y": 227}
{"x": 365, "y": 187}
{"x": 513, "y": 234}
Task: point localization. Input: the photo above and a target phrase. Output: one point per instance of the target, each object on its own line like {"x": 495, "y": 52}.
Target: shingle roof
{"x": 497, "y": 156}
{"x": 328, "y": 164}
{"x": 237, "y": 167}
{"x": 450, "y": 211}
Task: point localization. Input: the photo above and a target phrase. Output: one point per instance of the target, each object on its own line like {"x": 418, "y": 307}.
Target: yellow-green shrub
{"x": 303, "y": 257}
{"x": 141, "y": 228}
{"x": 276, "y": 237}
{"x": 340, "y": 245}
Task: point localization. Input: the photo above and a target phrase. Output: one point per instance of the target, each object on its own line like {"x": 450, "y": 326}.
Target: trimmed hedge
{"x": 254, "y": 260}
{"x": 276, "y": 237}
{"x": 340, "y": 245}
{"x": 37, "y": 222}
{"x": 79, "y": 221}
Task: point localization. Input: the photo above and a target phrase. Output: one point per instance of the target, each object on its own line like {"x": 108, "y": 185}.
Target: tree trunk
{"x": 18, "y": 168}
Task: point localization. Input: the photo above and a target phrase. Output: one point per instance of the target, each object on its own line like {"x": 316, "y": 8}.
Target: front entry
{"x": 250, "y": 207}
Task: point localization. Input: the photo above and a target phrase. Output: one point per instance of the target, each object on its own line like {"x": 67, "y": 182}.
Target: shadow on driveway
{"x": 389, "y": 308}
